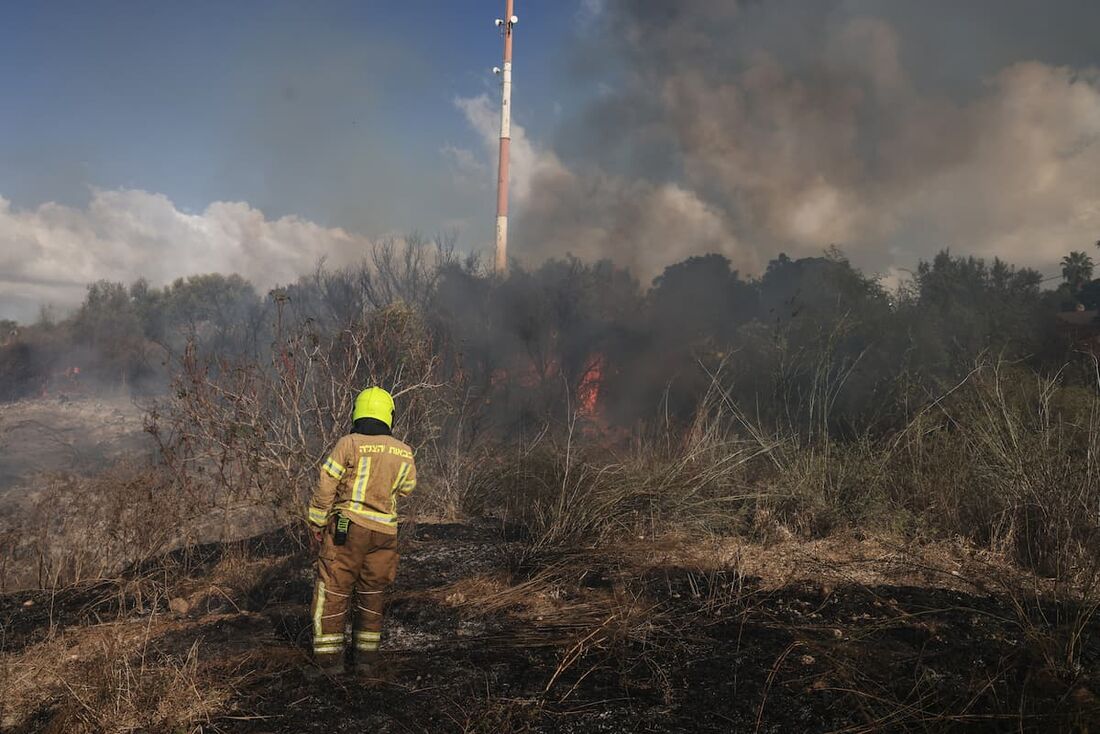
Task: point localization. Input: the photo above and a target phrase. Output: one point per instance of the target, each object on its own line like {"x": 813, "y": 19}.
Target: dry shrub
{"x": 246, "y": 432}
{"x": 568, "y": 492}
{"x": 453, "y": 472}
{"x": 128, "y": 534}
{"x": 1006, "y": 459}
{"x": 1008, "y": 463}
{"x": 84, "y": 527}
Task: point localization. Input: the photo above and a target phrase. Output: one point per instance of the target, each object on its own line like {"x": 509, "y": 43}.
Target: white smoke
{"x": 526, "y": 160}
{"x": 591, "y": 215}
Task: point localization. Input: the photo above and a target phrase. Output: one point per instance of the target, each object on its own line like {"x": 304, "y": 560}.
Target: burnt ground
{"x": 64, "y": 432}
{"x": 483, "y": 635}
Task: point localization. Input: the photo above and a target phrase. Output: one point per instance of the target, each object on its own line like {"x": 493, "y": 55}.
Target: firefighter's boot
{"x": 367, "y": 666}
{"x": 325, "y": 669}
{"x": 374, "y": 668}
{"x": 365, "y": 656}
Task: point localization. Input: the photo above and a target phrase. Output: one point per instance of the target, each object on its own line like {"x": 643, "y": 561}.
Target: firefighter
{"x": 353, "y": 515}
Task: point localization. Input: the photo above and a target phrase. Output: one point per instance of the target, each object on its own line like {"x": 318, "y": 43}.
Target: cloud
{"x": 49, "y": 253}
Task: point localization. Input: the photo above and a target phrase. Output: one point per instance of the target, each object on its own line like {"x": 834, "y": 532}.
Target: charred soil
{"x": 484, "y": 635}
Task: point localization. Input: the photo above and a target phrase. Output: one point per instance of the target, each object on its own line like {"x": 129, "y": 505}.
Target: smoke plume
{"x": 750, "y": 128}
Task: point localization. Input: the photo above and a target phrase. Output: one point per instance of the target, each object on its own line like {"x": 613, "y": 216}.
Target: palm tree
{"x": 1077, "y": 269}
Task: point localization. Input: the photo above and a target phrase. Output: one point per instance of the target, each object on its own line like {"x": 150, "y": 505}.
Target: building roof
{"x": 1078, "y": 318}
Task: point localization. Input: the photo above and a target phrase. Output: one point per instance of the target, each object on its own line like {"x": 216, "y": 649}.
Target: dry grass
{"x": 114, "y": 678}
{"x": 1010, "y": 467}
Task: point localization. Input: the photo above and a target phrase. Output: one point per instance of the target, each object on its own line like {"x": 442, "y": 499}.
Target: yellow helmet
{"x": 374, "y": 402}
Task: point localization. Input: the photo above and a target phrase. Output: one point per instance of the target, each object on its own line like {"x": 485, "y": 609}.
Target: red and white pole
{"x": 507, "y": 24}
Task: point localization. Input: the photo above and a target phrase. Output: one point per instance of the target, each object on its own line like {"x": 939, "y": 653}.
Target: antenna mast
{"x": 506, "y": 24}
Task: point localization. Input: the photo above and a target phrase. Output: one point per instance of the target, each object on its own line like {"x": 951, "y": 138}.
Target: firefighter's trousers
{"x": 353, "y": 575}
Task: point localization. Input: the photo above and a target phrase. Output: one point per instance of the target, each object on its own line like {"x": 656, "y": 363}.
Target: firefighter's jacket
{"x": 362, "y": 479}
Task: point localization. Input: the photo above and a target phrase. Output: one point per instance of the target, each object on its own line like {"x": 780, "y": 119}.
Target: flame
{"x": 588, "y": 391}
{"x": 589, "y": 387}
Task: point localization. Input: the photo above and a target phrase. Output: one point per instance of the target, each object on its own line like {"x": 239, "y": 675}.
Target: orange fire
{"x": 588, "y": 391}
{"x": 589, "y": 386}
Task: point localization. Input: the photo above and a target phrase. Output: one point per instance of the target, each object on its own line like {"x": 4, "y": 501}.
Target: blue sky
{"x": 294, "y": 107}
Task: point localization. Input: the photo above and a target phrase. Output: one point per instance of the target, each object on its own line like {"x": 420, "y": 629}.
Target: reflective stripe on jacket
{"x": 362, "y": 478}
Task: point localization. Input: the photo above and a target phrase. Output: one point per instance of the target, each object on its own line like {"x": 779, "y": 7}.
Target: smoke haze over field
{"x": 644, "y": 131}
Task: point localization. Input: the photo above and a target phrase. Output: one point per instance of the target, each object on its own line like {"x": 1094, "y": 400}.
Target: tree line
{"x": 814, "y": 343}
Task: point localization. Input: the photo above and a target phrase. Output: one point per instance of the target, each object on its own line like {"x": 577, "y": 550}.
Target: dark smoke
{"x": 756, "y": 127}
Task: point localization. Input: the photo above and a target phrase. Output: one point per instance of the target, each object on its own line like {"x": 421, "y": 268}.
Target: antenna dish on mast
{"x": 514, "y": 19}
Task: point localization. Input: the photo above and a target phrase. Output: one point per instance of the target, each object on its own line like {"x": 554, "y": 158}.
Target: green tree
{"x": 965, "y": 306}
{"x": 700, "y": 299}
{"x": 108, "y": 324}
{"x": 819, "y": 356}
{"x": 1077, "y": 269}
{"x": 222, "y": 313}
